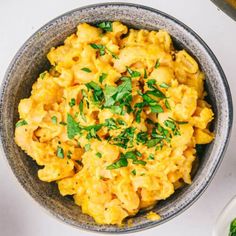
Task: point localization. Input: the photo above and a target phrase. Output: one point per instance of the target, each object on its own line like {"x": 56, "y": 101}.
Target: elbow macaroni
{"x": 61, "y": 102}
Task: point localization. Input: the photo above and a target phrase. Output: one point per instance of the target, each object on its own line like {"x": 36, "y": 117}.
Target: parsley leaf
{"x": 72, "y": 102}
{"x": 106, "y": 25}
{"x": 100, "y": 47}
{"x": 54, "y": 120}
{"x": 232, "y": 231}
{"x": 151, "y": 157}
{"x": 152, "y": 142}
{"x": 63, "y": 123}
{"x": 73, "y": 127}
{"x": 122, "y": 162}
{"x": 142, "y": 137}
{"x": 102, "y": 77}
{"x": 42, "y": 75}
{"x": 110, "y": 124}
{"x": 98, "y": 154}
{"x": 86, "y": 69}
{"x": 133, "y": 73}
{"x": 133, "y": 172}
{"x": 145, "y": 74}
{"x": 21, "y": 123}
{"x": 157, "y": 109}
{"x": 141, "y": 162}
{"x": 97, "y": 91}
{"x": 87, "y": 147}
{"x": 60, "y": 152}
{"x": 81, "y": 109}
{"x": 157, "y": 64}
{"x": 167, "y": 104}
{"x": 164, "y": 85}
{"x": 69, "y": 153}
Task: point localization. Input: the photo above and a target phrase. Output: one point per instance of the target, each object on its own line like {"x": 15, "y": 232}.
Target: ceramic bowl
{"x": 30, "y": 60}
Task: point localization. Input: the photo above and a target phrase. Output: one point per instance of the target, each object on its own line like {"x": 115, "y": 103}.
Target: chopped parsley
{"x": 100, "y": 47}
{"x": 54, "y": 120}
{"x": 133, "y": 172}
{"x": 98, "y": 154}
{"x": 69, "y": 153}
{"x": 97, "y": 91}
{"x": 122, "y": 162}
{"x": 72, "y": 102}
{"x": 142, "y": 137}
{"x": 151, "y": 157}
{"x": 87, "y": 147}
{"x": 60, "y": 152}
{"x": 86, "y": 69}
{"x": 164, "y": 85}
{"x": 167, "y": 104}
{"x": 73, "y": 127}
{"x": 116, "y": 98}
{"x": 157, "y": 64}
{"x": 111, "y": 124}
{"x": 124, "y": 138}
{"x": 170, "y": 123}
{"x": 232, "y": 230}
{"x": 106, "y": 26}
{"x": 121, "y": 122}
{"x": 21, "y": 123}
{"x": 145, "y": 74}
{"x": 63, "y": 123}
{"x": 102, "y": 77}
{"x": 133, "y": 73}
{"x": 42, "y": 75}
{"x": 112, "y": 54}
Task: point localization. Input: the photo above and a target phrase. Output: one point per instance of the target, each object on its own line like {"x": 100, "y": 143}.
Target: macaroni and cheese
{"x": 116, "y": 119}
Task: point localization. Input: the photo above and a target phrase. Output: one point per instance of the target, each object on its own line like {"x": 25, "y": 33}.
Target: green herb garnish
{"x": 60, "y": 152}
{"x": 133, "y": 172}
{"x": 100, "y": 47}
{"x": 164, "y": 85}
{"x": 122, "y": 162}
{"x": 167, "y": 104}
{"x": 142, "y": 137}
{"x": 157, "y": 64}
{"x": 110, "y": 124}
{"x": 97, "y": 91}
{"x": 98, "y": 154}
{"x": 87, "y": 147}
{"x": 140, "y": 162}
{"x": 86, "y": 69}
{"x": 106, "y": 25}
{"x": 63, "y": 123}
{"x": 72, "y": 102}
{"x": 54, "y": 120}
{"x": 21, "y": 123}
{"x": 69, "y": 153}
{"x": 42, "y": 75}
{"x": 145, "y": 74}
{"x": 133, "y": 73}
{"x": 232, "y": 230}
{"x": 102, "y": 77}
{"x": 73, "y": 127}
{"x": 151, "y": 157}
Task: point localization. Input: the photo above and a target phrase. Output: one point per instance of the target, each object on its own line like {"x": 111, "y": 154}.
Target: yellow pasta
{"x": 116, "y": 119}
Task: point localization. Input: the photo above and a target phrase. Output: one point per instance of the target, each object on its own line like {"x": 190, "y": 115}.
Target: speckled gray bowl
{"x": 30, "y": 60}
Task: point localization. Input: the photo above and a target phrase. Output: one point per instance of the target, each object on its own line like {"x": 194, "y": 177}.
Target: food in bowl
{"x": 116, "y": 119}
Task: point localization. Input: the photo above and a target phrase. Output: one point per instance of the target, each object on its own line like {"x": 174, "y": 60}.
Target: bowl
{"x": 30, "y": 60}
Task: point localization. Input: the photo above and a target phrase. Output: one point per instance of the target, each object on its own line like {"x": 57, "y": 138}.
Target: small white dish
{"x": 222, "y": 224}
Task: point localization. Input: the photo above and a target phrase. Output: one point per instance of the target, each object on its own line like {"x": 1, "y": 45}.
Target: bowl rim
{"x": 189, "y": 203}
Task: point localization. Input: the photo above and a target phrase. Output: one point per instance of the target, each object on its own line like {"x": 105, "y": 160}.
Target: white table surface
{"x": 19, "y": 214}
